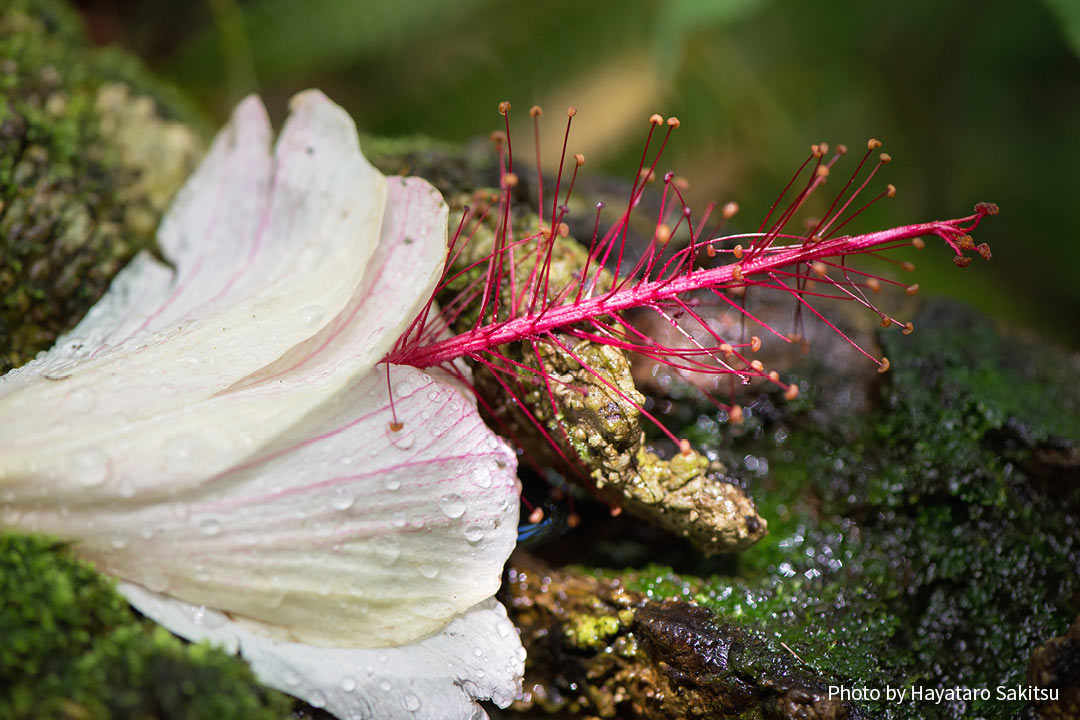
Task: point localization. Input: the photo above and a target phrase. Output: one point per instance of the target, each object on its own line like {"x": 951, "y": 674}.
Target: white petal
{"x": 477, "y": 656}
{"x": 258, "y": 247}
{"x": 271, "y": 498}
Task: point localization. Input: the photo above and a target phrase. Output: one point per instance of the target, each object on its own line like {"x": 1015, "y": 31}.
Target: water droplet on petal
{"x": 387, "y": 550}
{"x": 411, "y": 702}
{"x": 385, "y": 686}
{"x": 118, "y": 539}
{"x": 403, "y": 389}
{"x": 392, "y": 484}
{"x": 474, "y": 533}
{"x": 342, "y": 498}
{"x": 91, "y": 466}
{"x": 154, "y": 580}
{"x": 429, "y": 571}
{"x": 81, "y": 400}
{"x": 433, "y": 395}
{"x": 402, "y": 438}
{"x": 480, "y": 477}
{"x": 317, "y": 699}
{"x": 398, "y": 520}
{"x": 210, "y": 526}
{"x": 311, "y": 314}
{"x": 291, "y": 678}
{"x": 452, "y": 506}
{"x": 348, "y": 684}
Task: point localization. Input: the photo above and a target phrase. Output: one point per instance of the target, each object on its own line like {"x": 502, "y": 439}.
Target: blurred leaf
{"x": 290, "y": 38}
{"x": 1068, "y": 16}
{"x": 684, "y": 16}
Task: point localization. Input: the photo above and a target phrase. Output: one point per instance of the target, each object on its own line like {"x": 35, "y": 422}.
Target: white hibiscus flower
{"x": 218, "y": 434}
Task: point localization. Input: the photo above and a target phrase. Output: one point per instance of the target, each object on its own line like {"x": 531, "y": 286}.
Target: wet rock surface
{"x": 1056, "y": 664}
{"x": 925, "y": 540}
{"x": 597, "y": 649}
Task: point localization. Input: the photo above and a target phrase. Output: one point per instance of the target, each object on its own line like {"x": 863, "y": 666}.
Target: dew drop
{"x": 311, "y": 314}
{"x": 348, "y": 684}
{"x": 429, "y": 571}
{"x": 433, "y": 395}
{"x": 452, "y": 505}
{"x": 392, "y": 484}
{"x": 504, "y": 628}
{"x": 480, "y": 478}
{"x": 398, "y": 520}
{"x": 403, "y": 389}
{"x": 387, "y": 550}
{"x": 385, "y": 686}
{"x": 210, "y": 526}
{"x": 317, "y": 699}
{"x": 91, "y": 466}
{"x": 401, "y": 439}
{"x": 291, "y": 678}
{"x": 474, "y": 533}
{"x": 81, "y": 400}
{"x": 118, "y": 539}
{"x": 342, "y": 499}
{"x": 411, "y": 703}
{"x": 154, "y": 581}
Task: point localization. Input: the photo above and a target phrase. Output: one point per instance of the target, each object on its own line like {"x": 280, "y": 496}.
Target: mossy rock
{"x": 91, "y": 151}
{"x": 74, "y": 650}
{"x": 931, "y": 540}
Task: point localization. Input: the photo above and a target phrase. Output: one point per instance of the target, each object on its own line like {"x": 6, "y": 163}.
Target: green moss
{"x": 590, "y": 631}
{"x": 74, "y": 649}
{"x": 932, "y": 541}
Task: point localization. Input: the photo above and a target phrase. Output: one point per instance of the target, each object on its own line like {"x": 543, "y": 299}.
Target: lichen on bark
{"x": 91, "y": 151}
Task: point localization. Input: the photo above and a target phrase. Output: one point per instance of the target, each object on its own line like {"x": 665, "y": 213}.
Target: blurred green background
{"x": 975, "y": 100}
